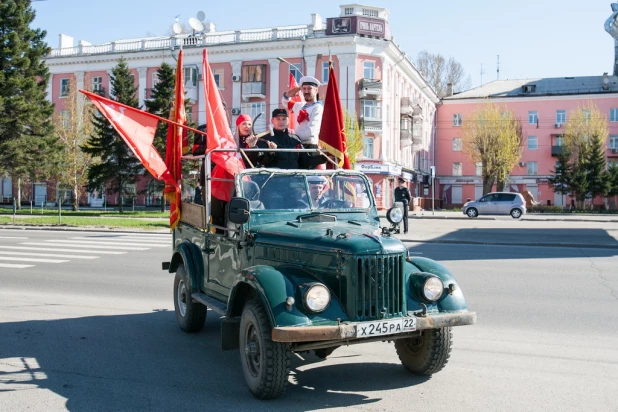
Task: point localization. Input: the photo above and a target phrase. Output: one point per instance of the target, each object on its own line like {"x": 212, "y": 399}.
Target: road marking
{"x": 9, "y": 265}
{"x": 49, "y": 255}
{"x": 12, "y": 237}
{"x": 81, "y": 248}
{"x": 47, "y": 249}
{"x": 22, "y": 259}
{"x": 114, "y": 241}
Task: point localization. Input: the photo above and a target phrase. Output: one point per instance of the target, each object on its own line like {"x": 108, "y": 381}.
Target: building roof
{"x": 539, "y": 87}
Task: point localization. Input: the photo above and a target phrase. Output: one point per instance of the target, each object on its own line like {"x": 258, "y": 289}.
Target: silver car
{"x": 497, "y": 203}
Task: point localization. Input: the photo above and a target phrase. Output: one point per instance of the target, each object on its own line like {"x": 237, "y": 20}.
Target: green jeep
{"x": 289, "y": 272}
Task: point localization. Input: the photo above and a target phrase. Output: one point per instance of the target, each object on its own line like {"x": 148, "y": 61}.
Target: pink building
{"x": 542, "y": 106}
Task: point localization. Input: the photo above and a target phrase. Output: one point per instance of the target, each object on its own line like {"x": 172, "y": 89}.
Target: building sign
{"x": 461, "y": 181}
{"x": 407, "y": 176}
{"x": 358, "y": 25}
{"x": 378, "y": 169}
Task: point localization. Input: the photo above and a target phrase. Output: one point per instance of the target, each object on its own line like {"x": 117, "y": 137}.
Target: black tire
{"x": 190, "y": 315}
{"x": 324, "y": 352}
{"x": 265, "y": 364}
{"x": 516, "y": 213}
{"x": 472, "y": 212}
{"x": 426, "y": 354}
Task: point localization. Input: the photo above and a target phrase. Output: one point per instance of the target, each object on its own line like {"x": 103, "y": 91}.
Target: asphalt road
{"x": 100, "y": 334}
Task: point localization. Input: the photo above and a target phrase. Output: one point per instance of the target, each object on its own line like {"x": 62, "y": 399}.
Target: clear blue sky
{"x": 534, "y": 38}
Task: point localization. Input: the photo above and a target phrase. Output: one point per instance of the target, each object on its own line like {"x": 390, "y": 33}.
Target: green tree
{"x": 160, "y": 103}
{"x": 118, "y": 167}
{"x": 28, "y": 147}
{"x": 561, "y": 181}
{"x": 354, "y": 136}
{"x": 612, "y": 174}
{"x": 596, "y": 173}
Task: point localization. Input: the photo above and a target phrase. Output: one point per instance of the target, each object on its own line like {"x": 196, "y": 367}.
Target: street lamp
{"x": 281, "y": 59}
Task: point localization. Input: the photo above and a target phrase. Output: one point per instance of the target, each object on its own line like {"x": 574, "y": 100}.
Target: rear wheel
{"x": 472, "y": 212}
{"x": 190, "y": 315}
{"x": 516, "y": 213}
{"x": 265, "y": 364}
{"x": 425, "y": 354}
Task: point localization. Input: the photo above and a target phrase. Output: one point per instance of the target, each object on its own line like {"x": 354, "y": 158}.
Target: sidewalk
{"x": 543, "y": 217}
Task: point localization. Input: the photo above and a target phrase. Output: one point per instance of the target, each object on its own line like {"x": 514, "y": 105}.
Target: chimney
{"x": 605, "y": 81}
{"x": 449, "y": 89}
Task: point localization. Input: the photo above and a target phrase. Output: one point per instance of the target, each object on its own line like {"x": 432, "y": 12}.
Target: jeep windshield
{"x": 270, "y": 190}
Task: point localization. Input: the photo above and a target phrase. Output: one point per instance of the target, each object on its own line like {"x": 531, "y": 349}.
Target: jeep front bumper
{"x": 347, "y": 331}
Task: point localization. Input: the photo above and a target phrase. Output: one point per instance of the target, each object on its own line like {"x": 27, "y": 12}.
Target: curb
{"x": 472, "y": 242}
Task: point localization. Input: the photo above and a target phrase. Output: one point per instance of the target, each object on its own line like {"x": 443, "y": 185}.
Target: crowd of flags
{"x": 137, "y": 128}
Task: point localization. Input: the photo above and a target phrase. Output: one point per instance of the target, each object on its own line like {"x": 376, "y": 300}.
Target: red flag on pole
{"x": 332, "y": 129}
{"x": 298, "y": 98}
{"x": 219, "y": 136}
{"x": 137, "y": 128}
{"x": 177, "y": 144}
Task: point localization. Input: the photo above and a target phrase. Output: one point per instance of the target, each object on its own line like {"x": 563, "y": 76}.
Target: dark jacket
{"x": 402, "y": 194}
{"x": 285, "y": 160}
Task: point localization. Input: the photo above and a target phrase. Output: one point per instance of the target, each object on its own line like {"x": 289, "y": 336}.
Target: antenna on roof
{"x": 201, "y": 16}
{"x": 498, "y": 68}
{"x": 196, "y": 25}
{"x": 482, "y": 73}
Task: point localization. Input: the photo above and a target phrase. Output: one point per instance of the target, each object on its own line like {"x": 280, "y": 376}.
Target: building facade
{"x": 542, "y": 106}
{"x": 377, "y": 83}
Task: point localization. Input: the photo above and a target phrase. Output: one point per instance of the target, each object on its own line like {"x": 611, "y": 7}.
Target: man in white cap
{"x": 308, "y": 114}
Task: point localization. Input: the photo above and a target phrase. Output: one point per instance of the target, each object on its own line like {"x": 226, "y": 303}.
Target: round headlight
{"x": 317, "y": 297}
{"x": 433, "y": 288}
{"x": 394, "y": 215}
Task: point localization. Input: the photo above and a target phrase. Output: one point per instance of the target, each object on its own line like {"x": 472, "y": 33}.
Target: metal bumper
{"x": 347, "y": 331}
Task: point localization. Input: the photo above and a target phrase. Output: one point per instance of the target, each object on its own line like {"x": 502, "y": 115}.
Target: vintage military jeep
{"x": 302, "y": 264}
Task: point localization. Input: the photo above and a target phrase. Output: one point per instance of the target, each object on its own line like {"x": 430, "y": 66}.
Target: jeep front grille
{"x": 380, "y": 287}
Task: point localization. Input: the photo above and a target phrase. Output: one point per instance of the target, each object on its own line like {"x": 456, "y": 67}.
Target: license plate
{"x": 385, "y": 327}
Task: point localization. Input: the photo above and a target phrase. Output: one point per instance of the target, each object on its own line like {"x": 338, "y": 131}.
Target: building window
{"x": 533, "y": 142}
{"x": 296, "y": 73}
{"x": 532, "y": 168}
{"x": 368, "y": 147}
{"x": 613, "y": 141}
{"x": 479, "y": 169}
{"x": 190, "y": 76}
{"x": 253, "y": 109}
{"x": 66, "y": 119}
{"x": 254, "y": 73}
{"x": 371, "y": 109}
{"x": 457, "y": 119}
{"x": 560, "y": 116}
{"x": 325, "y": 72}
{"x": 533, "y": 118}
{"x": 155, "y": 79}
{"x": 612, "y": 163}
{"x": 457, "y": 144}
{"x": 97, "y": 83}
{"x": 559, "y": 140}
{"x": 370, "y": 13}
{"x": 457, "y": 169}
{"x": 64, "y": 87}
{"x": 530, "y": 88}
{"x": 219, "y": 76}
{"x": 368, "y": 70}
{"x": 348, "y": 11}
{"x": 613, "y": 115}
{"x": 586, "y": 114}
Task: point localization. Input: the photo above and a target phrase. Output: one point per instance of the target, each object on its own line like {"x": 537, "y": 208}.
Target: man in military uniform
{"x": 402, "y": 194}
{"x": 308, "y": 114}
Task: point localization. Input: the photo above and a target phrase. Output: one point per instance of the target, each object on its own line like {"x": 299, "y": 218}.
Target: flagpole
{"x": 99, "y": 98}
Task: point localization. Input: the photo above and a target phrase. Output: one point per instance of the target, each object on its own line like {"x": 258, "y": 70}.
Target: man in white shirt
{"x": 308, "y": 114}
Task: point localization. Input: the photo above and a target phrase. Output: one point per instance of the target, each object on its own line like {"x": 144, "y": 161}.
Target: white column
{"x": 50, "y": 89}
{"x": 347, "y": 81}
{"x": 109, "y": 84}
{"x": 141, "y": 85}
{"x": 236, "y": 90}
{"x": 79, "y": 83}
{"x": 310, "y": 63}
{"x": 275, "y": 95}
{"x": 79, "y": 80}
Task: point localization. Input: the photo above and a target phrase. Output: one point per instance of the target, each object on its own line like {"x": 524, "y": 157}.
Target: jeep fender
{"x": 191, "y": 256}
{"x": 273, "y": 286}
{"x": 454, "y": 302}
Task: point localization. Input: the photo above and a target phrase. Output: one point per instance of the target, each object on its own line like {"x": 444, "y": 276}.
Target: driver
{"x": 317, "y": 188}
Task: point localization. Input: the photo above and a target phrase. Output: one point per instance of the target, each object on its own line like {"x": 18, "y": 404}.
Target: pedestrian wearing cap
{"x": 402, "y": 194}
{"x": 309, "y": 113}
{"x": 281, "y": 138}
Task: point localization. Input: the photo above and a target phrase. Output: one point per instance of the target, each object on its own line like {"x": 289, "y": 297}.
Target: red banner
{"x": 332, "y": 129}
{"x": 298, "y": 98}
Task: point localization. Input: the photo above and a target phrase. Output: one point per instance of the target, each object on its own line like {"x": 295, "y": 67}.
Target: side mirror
{"x": 238, "y": 210}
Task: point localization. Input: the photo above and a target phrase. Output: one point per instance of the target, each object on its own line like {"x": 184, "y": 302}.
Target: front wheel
{"x": 190, "y": 315}
{"x": 515, "y": 213}
{"x": 425, "y": 354}
{"x": 265, "y": 364}
{"x": 472, "y": 212}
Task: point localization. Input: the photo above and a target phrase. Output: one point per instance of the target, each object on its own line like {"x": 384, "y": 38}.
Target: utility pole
{"x": 498, "y": 68}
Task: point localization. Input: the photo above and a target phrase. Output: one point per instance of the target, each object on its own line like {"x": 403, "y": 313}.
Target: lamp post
{"x": 281, "y": 59}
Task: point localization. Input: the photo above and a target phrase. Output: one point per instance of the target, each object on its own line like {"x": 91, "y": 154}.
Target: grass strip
{"x": 87, "y": 222}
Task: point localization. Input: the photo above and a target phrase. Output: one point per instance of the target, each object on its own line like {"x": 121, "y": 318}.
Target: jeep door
{"x": 224, "y": 262}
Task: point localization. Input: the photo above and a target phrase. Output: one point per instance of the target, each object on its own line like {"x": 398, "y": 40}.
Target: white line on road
{"x": 10, "y": 265}
{"x": 128, "y": 242}
{"x": 98, "y": 244}
{"x": 47, "y": 249}
{"x": 80, "y": 247}
{"x": 12, "y": 237}
{"x": 22, "y": 259}
{"x": 48, "y": 255}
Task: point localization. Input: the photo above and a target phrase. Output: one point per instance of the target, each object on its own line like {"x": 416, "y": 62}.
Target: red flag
{"x": 296, "y": 99}
{"x": 332, "y": 129}
{"x": 176, "y": 145}
{"x": 137, "y": 128}
{"x": 219, "y": 136}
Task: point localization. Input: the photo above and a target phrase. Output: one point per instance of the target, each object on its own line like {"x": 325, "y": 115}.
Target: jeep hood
{"x": 338, "y": 236}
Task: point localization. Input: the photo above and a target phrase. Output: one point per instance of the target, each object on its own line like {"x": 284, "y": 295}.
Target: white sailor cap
{"x": 316, "y": 180}
{"x": 310, "y": 80}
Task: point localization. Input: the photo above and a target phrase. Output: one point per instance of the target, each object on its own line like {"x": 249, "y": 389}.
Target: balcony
{"x": 100, "y": 91}
{"x": 409, "y": 107}
{"x": 556, "y": 150}
{"x": 612, "y": 152}
{"x": 371, "y": 124}
{"x": 370, "y": 89}
{"x": 253, "y": 89}
{"x": 405, "y": 138}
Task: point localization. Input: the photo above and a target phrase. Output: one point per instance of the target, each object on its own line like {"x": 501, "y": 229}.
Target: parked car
{"x": 497, "y": 203}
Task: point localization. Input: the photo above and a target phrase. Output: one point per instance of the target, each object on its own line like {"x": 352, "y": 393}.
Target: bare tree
{"x": 493, "y": 137}
{"x": 73, "y": 128}
{"x": 354, "y": 136}
{"x": 439, "y": 72}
